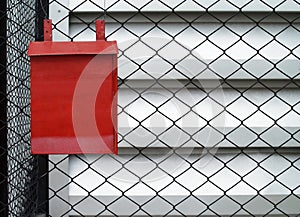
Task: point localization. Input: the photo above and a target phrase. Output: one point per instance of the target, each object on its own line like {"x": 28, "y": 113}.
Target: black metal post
{"x": 42, "y": 8}
{"x": 3, "y": 114}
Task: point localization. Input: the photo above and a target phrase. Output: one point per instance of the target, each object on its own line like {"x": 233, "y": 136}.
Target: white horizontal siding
{"x": 198, "y": 5}
{"x": 206, "y": 190}
{"x": 220, "y": 55}
{"x": 208, "y": 65}
{"x": 193, "y": 122}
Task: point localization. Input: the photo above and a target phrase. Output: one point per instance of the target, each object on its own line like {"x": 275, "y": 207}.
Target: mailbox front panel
{"x": 73, "y": 104}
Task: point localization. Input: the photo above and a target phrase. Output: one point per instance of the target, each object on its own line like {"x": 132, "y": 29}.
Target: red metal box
{"x": 73, "y": 95}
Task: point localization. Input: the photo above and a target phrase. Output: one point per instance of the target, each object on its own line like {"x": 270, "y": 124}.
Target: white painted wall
{"x": 198, "y": 5}
{"x": 187, "y": 120}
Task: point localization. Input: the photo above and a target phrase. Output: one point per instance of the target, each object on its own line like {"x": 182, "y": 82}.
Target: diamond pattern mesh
{"x": 22, "y": 166}
{"x": 208, "y": 110}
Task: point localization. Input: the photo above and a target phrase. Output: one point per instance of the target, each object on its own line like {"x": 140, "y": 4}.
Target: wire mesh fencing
{"x": 208, "y": 110}
{"x": 22, "y": 167}
{"x": 205, "y": 122}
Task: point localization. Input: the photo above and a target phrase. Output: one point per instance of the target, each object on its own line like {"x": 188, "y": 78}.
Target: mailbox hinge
{"x": 100, "y": 30}
{"x": 47, "y": 30}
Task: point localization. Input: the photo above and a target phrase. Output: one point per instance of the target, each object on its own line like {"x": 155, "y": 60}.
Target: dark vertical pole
{"x": 3, "y": 109}
{"x": 42, "y": 9}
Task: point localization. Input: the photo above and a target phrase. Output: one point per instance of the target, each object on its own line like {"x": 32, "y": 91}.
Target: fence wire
{"x": 208, "y": 110}
{"x": 22, "y": 167}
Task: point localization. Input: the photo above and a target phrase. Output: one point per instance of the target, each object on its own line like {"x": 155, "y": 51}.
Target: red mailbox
{"x": 73, "y": 95}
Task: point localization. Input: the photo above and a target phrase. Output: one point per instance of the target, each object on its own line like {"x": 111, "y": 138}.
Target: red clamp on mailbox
{"x": 73, "y": 95}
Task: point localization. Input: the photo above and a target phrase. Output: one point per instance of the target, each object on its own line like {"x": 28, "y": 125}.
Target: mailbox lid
{"x": 49, "y": 48}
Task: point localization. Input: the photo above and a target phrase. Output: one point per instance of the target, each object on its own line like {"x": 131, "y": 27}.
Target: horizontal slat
{"x": 246, "y": 121}
{"x": 219, "y": 102}
{"x": 149, "y": 151}
{"x": 208, "y": 137}
{"x": 168, "y": 5}
{"x": 224, "y": 55}
{"x": 197, "y": 67}
{"x": 202, "y": 187}
{"x": 225, "y": 207}
{"x": 207, "y": 165}
{"x": 183, "y": 17}
{"x": 139, "y": 83}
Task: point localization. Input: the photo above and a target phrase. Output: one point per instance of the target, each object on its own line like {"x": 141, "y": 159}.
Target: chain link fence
{"x": 21, "y": 174}
{"x": 208, "y": 110}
